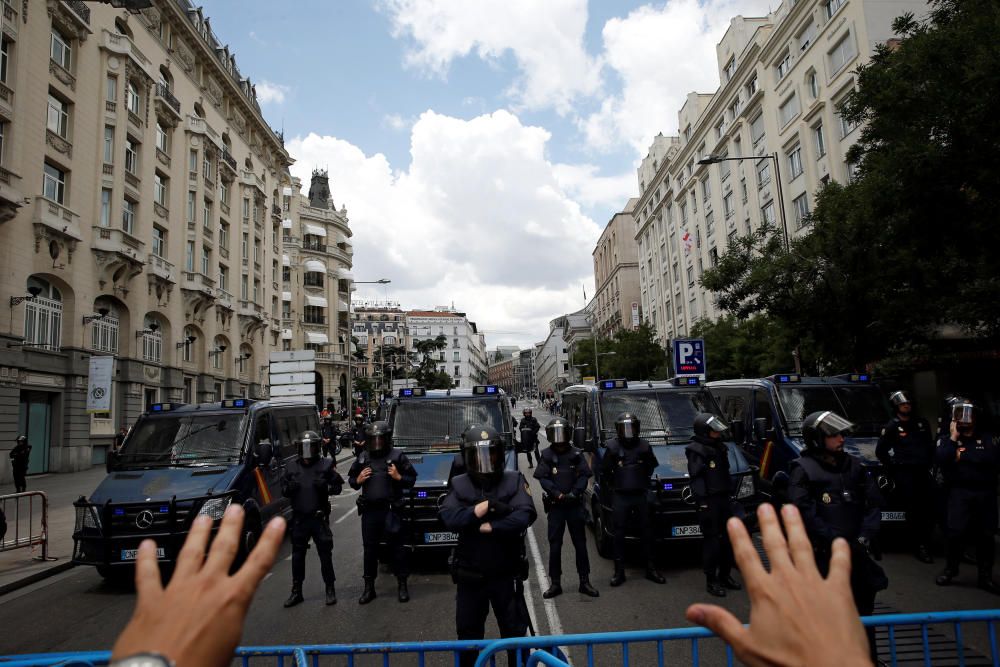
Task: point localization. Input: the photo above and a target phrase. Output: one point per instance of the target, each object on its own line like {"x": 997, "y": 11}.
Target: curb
{"x": 36, "y": 577}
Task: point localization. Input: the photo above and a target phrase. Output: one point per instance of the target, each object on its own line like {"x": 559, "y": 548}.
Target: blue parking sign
{"x": 689, "y": 356}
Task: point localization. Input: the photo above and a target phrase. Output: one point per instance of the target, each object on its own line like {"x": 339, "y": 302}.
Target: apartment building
{"x": 616, "y": 273}
{"x": 139, "y": 218}
{"x": 501, "y": 373}
{"x": 524, "y": 373}
{"x": 383, "y": 339}
{"x": 772, "y": 136}
{"x": 552, "y": 369}
{"x": 464, "y": 358}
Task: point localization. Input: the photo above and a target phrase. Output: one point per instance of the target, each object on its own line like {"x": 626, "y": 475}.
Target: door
{"x": 150, "y": 396}
{"x": 267, "y": 478}
{"x": 764, "y": 450}
{"x": 35, "y": 421}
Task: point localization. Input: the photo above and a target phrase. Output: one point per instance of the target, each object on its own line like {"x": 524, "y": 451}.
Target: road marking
{"x": 551, "y": 614}
{"x": 346, "y": 514}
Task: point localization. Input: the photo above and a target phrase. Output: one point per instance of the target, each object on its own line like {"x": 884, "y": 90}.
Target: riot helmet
{"x": 963, "y": 412}
{"x": 359, "y": 419}
{"x": 898, "y": 398}
{"x": 627, "y": 428}
{"x": 559, "y": 434}
{"x": 706, "y": 423}
{"x": 308, "y": 447}
{"x": 526, "y": 412}
{"x": 378, "y": 439}
{"x": 21, "y": 439}
{"x": 482, "y": 451}
{"x": 818, "y": 426}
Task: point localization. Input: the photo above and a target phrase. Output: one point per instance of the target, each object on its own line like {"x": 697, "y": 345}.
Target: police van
{"x": 666, "y": 410}
{"x": 427, "y": 425}
{"x": 180, "y": 461}
{"x": 772, "y": 409}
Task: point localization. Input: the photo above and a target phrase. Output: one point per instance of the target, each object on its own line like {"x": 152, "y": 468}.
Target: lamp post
{"x": 350, "y": 333}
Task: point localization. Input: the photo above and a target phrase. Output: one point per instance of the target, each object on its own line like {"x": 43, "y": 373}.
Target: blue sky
{"x": 478, "y": 146}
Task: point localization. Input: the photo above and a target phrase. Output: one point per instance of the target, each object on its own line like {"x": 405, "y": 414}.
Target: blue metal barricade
{"x": 928, "y": 647}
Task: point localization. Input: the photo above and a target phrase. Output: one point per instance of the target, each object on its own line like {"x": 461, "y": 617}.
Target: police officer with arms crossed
{"x": 712, "y": 489}
{"x": 529, "y": 435}
{"x": 970, "y": 461}
{"x": 490, "y": 509}
{"x": 309, "y": 481}
{"x": 563, "y": 473}
{"x": 358, "y": 433}
{"x": 628, "y": 464}
{"x": 382, "y": 473}
{"x": 906, "y": 450}
{"x": 838, "y": 498}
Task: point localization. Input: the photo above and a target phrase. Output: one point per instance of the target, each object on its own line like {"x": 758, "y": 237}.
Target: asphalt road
{"x": 77, "y": 610}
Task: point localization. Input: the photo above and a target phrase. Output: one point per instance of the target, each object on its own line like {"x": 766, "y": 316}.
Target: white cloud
{"x": 545, "y": 38}
{"x": 479, "y": 219}
{"x": 271, "y": 93}
{"x": 582, "y": 182}
{"x": 396, "y": 122}
{"x": 661, "y": 53}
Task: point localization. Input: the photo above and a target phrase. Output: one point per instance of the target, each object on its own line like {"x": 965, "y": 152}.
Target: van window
{"x": 185, "y": 438}
{"x": 262, "y": 429}
{"x": 734, "y": 403}
{"x": 762, "y": 407}
{"x": 284, "y": 433}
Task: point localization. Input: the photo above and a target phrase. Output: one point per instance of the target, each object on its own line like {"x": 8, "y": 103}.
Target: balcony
{"x": 161, "y": 268}
{"x": 11, "y": 198}
{"x": 227, "y": 160}
{"x": 52, "y": 220}
{"x": 10, "y": 20}
{"x": 6, "y": 101}
{"x": 291, "y": 241}
{"x": 198, "y": 282}
{"x": 276, "y": 211}
{"x": 196, "y": 125}
{"x": 166, "y": 103}
{"x": 251, "y": 309}
{"x": 79, "y": 8}
{"x": 224, "y": 299}
{"x": 123, "y": 46}
{"x": 251, "y": 179}
{"x": 314, "y": 246}
{"x": 118, "y": 241}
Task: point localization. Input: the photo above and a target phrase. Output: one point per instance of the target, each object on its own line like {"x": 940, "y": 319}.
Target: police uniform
{"x": 906, "y": 450}
{"x": 628, "y": 470}
{"x": 357, "y": 435}
{"x": 564, "y": 477}
{"x": 970, "y": 467}
{"x": 329, "y": 433}
{"x": 712, "y": 490}
{"x": 309, "y": 487}
{"x": 19, "y": 457}
{"x": 488, "y": 567}
{"x": 529, "y": 441}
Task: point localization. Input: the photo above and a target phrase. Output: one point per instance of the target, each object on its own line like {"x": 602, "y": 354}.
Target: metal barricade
{"x": 28, "y": 523}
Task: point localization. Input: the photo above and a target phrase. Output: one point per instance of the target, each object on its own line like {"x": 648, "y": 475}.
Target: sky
{"x": 479, "y": 147}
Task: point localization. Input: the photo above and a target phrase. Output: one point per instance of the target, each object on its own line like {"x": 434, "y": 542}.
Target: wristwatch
{"x": 144, "y": 660}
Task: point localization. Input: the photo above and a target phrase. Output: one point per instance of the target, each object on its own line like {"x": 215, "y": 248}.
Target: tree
{"x": 753, "y": 347}
{"x": 427, "y": 372}
{"x": 583, "y": 356}
{"x": 637, "y": 356}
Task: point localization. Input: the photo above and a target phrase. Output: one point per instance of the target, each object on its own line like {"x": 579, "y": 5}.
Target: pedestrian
{"x": 529, "y": 435}
{"x": 563, "y": 472}
{"x": 382, "y": 473}
{"x": 119, "y": 439}
{"x": 838, "y": 498}
{"x": 308, "y": 481}
{"x": 627, "y": 467}
{"x": 712, "y": 490}
{"x": 329, "y": 434}
{"x": 19, "y": 463}
{"x": 970, "y": 461}
{"x": 490, "y": 509}
{"x": 513, "y": 402}
{"x": 358, "y": 434}
{"x": 906, "y": 450}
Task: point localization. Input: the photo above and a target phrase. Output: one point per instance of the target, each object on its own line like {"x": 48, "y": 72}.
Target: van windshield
{"x": 663, "y": 415}
{"x": 170, "y": 440}
{"x": 864, "y": 405}
{"x": 433, "y": 425}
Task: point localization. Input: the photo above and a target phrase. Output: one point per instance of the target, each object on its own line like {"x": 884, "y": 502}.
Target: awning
{"x": 286, "y": 296}
{"x": 341, "y": 238}
{"x": 315, "y": 230}
{"x": 315, "y": 265}
{"x": 317, "y": 338}
{"x": 286, "y": 223}
{"x": 342, "y": 305}
{"x": 286, "y": 260}
{"x": 286, "y": 191}
{"x": 316, "y": 301}
{"x": 286, "y": 334}
{"x": 345, "y": 274}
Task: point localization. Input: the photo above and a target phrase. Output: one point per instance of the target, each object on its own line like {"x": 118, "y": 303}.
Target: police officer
{"x": 906, "y": 450}
{"x": 382, "y": 473}
{"x": 838, "y": 498}
{"x": 627, "y": 467}
{"x": 308, "y": 482}
{"x": 970, "y": 462}
{"x": 712, "y": 490}
{"x": 529, "y": 435}
{"x": 358, "y": 433}
{"x": 19, "y": 457}
{"x": 490, "y": 509}
{"x": 563, "y": 472}
{"x": 329, "y": 434}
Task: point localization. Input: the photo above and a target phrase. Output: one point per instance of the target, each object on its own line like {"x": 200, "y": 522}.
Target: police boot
{"x": 653, "y": 575}
{"x": 296, "y": 596}
{"x": 331, "y": 594}
{"x": 368, "y": 594}
{"x": 619, "y": 577}
{"x": 715, "y": 587}
{"x": 730, "y": 583}
{"x": 403, "y": 594}
{"x": 945, "y": 578}
{"x": 553, "y": 590}
{"x": 586, "y": 588}
{"x": 923, "y": 554}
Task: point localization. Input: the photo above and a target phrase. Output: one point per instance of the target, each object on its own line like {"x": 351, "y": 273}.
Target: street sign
{"x": 689, "y": 356}
{"x": 292, "y": 367}
{"x": 293, "y": 390}
{"x": 293, "y": 355}
{"x": 292, "y": 378}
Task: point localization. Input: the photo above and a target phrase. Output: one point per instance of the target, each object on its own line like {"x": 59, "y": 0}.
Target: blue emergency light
{"x": 614, "y": 384}
{"x": 789, "y": 377}
{"x": 408, "y": 392}
{"x": 689, "y": 381}
{"x": 119, "y": 511}
{"x": 164, "y": 509}
{"x": 859, "y": 377}
{"x": 421, "y": 494}
{"x": 667, "y": 486}
{"x": 160, "y": 407}
{"x": 235, "y": 403}
{"x": 486, "y": 389}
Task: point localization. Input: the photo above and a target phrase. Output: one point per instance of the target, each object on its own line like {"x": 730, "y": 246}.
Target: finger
{"x": 840, "y": 565}
{"x": 798, "y": 541}
{"x": 192, "y": 555}
{"x": 148, "y": 586}
{"x": 745, "y": 555}
{"x": 261, "y": 559}
{"x": 226, "y": 541}
{"x": 721, "y": 622}
{"x": 774, "y": 540}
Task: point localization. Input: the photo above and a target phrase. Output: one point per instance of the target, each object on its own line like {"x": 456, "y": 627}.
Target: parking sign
{"x": 689, "y": 356}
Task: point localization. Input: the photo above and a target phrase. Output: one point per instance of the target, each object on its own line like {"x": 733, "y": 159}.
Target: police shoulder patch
{"x": 484, "y": 435}
{"x": 826, "y": 498}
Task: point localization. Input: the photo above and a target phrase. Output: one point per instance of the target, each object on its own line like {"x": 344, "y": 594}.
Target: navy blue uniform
{"x": 906, "y": 450}
{"x": 309, "y": 487}
{"x": 529, "y": 436}
{"x": 628, "y": 471}
{"x": 712, "y": 490}
{"x": 379, "y": 505}
{"x": 564, "y": 479}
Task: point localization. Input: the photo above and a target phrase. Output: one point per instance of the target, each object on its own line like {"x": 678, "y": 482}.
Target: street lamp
{"x": 715, "y": 159}
{"x": 350, "y": 333}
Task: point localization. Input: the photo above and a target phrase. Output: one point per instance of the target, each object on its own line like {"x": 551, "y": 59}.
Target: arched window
{"x": 199, "y": 110}
{"x": 152, "y": 340}
{"x": 43, "y": 316}
{"x": 166, "y": 81}
{"x": 132, "y": 97}
{"x": 218, "y": 352}
{"x": 190, "y": 338}
{"x": 122, "y": 28}
{"x": 104, "y": 330}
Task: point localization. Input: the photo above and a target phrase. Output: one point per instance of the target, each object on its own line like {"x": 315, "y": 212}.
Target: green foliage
{"x": 438, "y": 380}
{"x": 364, "y": 385}
{"x": 638, "y": 356}
{"x": 753, "y": 347}
{"x": 427, "y": 374}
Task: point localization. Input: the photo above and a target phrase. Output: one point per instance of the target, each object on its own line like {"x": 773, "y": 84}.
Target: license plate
{"x": 685, "y": 531}
{"x": 130, "y": 554}
{"x": 894, "y": 516}
{"x": 437, "y": 538}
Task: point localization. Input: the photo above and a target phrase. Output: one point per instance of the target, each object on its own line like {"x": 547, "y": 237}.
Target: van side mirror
{"x": 265, "y": 452}
{"x": 739, "y": 431}
{"x": 779, "y": 487}
{"x": 760, "y": 428}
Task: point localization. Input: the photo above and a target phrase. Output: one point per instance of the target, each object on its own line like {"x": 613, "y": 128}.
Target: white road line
{"x": 347, "y": 514}
{"x": 551, "y": 614}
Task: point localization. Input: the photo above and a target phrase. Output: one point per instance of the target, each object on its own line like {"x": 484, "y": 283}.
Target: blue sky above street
{"x": 479, "y": 147}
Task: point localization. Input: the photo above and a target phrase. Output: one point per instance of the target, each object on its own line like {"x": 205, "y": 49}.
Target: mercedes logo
{"x": 144, "y": 519}
{"x": 687, "y": 495}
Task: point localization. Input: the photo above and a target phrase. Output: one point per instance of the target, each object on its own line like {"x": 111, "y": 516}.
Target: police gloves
{"x": 570, "y": 497}
{"x": 498, "y": 508}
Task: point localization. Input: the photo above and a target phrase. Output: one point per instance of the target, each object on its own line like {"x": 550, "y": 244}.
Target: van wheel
{"x": 605, "y": 548}
{"x": 248, "y": 540}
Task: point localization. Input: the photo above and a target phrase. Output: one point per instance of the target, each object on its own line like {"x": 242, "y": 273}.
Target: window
{"x": 734, "y": 108}
{"x": 743, "y": 189}
{"x": 245, "y": 287}
{"x": 132, "y": 97}
{"x": 59, "y": 50}
{"x": 687, "y": 134}
{"x": 801, "y": 206}
{"x": 4, "y": 58}
{"x": 43, "y": 319}
{"x": 807, "y": 36}
{"x": 206, "y": 261}
{"x": 246, "y": 208}
{"x": 730, "y": 68}
{"x": 706, "y": 190}
{"x": 820, "y": 141}
{"x": 783, "y": 65}
{"x": 751, "y": 86}
{"x": 188, "y": 382}
{"x": 111, "y": 89}
{"x": 224, "y": 235}
{"x": 54, "y": 184}
{"x": 852, "y": 171}
{"x": 128, "y": 216}
{"x": 152, "y": 344}
{"x": 846, "y": 126}
{"x": 832, "y": 6}
{"x": 812, "y": 80}
{"x": 757, "y": 128}
{"x": 162, "y": 139}
{"x": 713, "y": 257}
{"x": 159, "y": 241}
{"x": 690, "y": 276}
{"x": 788, "y": 110}
{"x": 131, "y": 155}
{"x": 189, "y": 256}
{"x": 104, "y": 334}
{"x": 224, "y": 193}
{"x": 246, "y": 246}
{"x": 841, "y": 54}
{"x": 193, "y": 162}
{"x": 109, "y": 144}
{"x": 727, "y": 205}
{"x": 206, "y": 214}
{"x": 767, "y": 213}
{"x": 256, "y": 291}
{"x": 58, "y": 117}
{"x": 105, "y": 207}
{"x": 795, "y": 161}
{"x": 763, "y": 173}
{"x": 206, "y": 167}
{"x": 160, "y": 192}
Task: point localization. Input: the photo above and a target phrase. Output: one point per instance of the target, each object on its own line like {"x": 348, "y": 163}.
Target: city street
{"x": 78, "y": 610}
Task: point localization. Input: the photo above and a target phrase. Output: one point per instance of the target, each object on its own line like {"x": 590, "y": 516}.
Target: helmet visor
{"x": 962, "y": 412}
{"x": 898, "y": 398}
{"x": 557, "y": 433}
{"x": 377, "y": 444}
{"x": 627, "y": 429}
{"x": 830, "y": 423}
{"x": 308, "y": 449}
{"x": 716, "y": 424}
{"x": 482, "y": 458}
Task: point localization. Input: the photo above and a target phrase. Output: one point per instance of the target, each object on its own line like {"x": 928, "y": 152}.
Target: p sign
{"x": 689, "y": 356}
